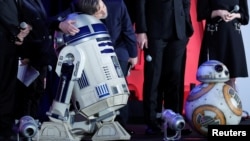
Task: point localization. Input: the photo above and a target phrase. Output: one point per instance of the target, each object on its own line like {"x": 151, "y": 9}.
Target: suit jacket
{"x": 120, "y": 29}
{"x": 34, "y": 14}
{"x": 164, "y": 18}
{"x": 38, "y": 44}
{"x": 9, "y": 25}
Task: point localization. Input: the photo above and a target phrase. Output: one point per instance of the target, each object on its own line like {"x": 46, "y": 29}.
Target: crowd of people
{"x": 162, "y": 28}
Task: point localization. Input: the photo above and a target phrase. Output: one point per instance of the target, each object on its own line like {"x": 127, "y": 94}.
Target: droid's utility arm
{"x": 69, "y": 69}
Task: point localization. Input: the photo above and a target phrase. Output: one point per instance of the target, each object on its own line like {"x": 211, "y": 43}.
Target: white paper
{"x": 27, "y": 74}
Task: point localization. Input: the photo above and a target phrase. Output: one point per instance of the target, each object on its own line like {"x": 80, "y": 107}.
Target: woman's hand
{"x": 225, "y": 15}
{"x": 232, "y": 16}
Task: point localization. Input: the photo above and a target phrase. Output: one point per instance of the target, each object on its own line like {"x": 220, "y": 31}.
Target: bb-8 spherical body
{"x": 212, "y": 102}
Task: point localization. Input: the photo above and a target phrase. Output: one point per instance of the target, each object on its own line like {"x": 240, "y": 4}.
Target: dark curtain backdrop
{"x": 53, "y": 7}
{"x": 131, "y": 9}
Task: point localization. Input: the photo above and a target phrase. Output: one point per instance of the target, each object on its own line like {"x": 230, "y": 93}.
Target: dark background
{"x": 53, "y": 7}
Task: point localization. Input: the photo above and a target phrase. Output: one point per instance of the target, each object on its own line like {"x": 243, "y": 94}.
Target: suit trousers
{"x": 8, "y": 77}
{"x": 29, "y": 97}
{"x": 163, "y": 77}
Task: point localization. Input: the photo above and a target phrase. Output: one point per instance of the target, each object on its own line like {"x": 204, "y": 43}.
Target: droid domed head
{"x": 212, "y": 71}
{"x": 88, "y": 25}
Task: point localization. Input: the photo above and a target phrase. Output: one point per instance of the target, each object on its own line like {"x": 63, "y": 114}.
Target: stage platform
{"x": 139, "y": 134}
{"x": 138, "y": 127}
{"x": 194, "y": 136}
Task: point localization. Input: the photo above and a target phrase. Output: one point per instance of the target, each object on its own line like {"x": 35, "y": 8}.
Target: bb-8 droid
{"x": 212, "y": 102}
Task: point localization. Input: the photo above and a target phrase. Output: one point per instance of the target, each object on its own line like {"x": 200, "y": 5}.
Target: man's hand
{"x": 133, "y": 61}
{"x": 142, "y": 40}
{"x": 24, "y": 61}
{"x": 22, "y": 34}
{"x": 68, "y": 27}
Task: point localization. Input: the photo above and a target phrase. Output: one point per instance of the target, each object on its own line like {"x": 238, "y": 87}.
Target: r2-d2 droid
{"x": 212, "y": 102}
{"x": 92, "y": 81}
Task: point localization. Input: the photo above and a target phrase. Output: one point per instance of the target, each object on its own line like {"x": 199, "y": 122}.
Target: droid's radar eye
{"x": 226, "y": 73}
{"x": 70, "y": 58}
{"x": 218, "y": 68}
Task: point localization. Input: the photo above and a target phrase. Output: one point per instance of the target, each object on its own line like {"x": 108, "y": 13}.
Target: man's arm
{"x": 141, "y": 26}
{"x": 59, "y": 23}
{"x": 9, "y": 20}
{"x": 189, "y": 25}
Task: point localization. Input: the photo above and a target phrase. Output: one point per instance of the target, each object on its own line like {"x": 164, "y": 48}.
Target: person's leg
{"x": 50, "y": 93}
{"x": 22, "y": 100}
{"x": 174, "y": 60}
{"x": 152, "y": 74}
{"x": 8, "y": 73}
{"x": 37, "y": 90}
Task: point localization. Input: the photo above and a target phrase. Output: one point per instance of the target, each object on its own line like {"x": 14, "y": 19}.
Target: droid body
{"x": 91, "y": 81}
{"x": 212, "y": 102}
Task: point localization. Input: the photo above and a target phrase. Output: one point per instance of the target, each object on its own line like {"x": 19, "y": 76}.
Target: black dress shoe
{"x": 5, "y": 138}
{"x": 153, "y": 131}
{"x": 170, "y": 132}
{"x": 131, "y": 132}
{"x": 186, "y": 132}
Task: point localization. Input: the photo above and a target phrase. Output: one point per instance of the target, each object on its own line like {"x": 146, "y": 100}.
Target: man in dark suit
{"x": 164, "y": 28}
{"x": 11, "y": 37}
{"x": 38, "y": 52}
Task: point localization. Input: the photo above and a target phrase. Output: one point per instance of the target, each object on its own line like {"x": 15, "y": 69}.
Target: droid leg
{"x": 61, "y": 103}
{"x": 60, "y": 118}
{"x": 108, "y": 129}
{"x": 111, "y": 131}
